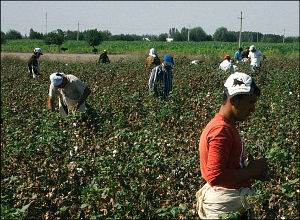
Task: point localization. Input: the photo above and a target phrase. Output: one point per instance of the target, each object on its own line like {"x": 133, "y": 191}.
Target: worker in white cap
{"x": 72, "y": 93}
{"x": 103, "y": 57}
{"x": 33, "y": 65}
{"x": 254, "y": 57}
{"x": 152, "y": 59}
{"x": 223, "y": 163}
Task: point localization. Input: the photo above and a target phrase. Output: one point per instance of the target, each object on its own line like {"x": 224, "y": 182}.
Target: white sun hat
{"x": 57, "y": 78}
{"x": 38, "y": 50}
{"x": 152, "y": 52}
{"x": 238, "y": 83}
{"x": 252, "y": 47}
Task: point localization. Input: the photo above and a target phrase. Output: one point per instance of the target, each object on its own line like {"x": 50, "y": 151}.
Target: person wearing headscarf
{"x": 72, "y": 94}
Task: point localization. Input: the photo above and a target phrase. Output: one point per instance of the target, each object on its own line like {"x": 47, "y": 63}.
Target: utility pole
{"x": 46, "y": 23}
{"x": 78, "y": 32}
{"x": 283, "y": 35}
{"x": 257, "y": 37}
{"x": 240, "y": 36}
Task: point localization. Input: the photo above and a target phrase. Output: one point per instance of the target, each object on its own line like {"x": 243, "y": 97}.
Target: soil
{"x": 68, "y": 57}
{"x": 79, "y": 58}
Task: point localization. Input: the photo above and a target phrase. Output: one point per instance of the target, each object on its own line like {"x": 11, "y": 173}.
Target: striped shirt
{"x": 161, "y": 81}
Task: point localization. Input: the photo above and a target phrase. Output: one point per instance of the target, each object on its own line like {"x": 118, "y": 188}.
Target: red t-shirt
{"x": 222, "y": 153}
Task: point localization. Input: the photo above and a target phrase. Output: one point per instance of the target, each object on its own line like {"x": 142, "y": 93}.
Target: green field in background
{"x": 117, "y": 47}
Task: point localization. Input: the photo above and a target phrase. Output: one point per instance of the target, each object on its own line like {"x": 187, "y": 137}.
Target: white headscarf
{"x": 57, "y": 78}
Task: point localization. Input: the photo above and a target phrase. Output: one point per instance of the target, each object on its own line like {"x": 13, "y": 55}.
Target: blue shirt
{"x": 238, "y": 55}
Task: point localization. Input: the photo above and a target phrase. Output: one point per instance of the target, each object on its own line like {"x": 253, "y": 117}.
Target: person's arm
{"x": 100, "y": 57}
{"x": 152, "y": 79}
{"x": 84, "y": 96}
{"x": 257, "y": 169}
{"x": 51, "y": 103}
{"x": 219, "y": 154}
{"x": 30, "y": 65}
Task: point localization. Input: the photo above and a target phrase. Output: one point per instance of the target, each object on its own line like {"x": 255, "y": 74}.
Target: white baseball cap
{"x": 252, "y": 47}
{"x": 152, "y": 52}
{"x": 57, "y": 78}
{"x": 38, "y": 50}
{"x": 238, "y": 83}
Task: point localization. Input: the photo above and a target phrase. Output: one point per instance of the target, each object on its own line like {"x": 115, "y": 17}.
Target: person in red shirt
{"x": 222, "y": 153}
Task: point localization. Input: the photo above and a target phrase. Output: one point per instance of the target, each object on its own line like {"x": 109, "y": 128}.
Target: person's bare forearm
{"x": 51, "y": 104}
{"x": 85, "y": 95}
{"x": 254, "y": 170}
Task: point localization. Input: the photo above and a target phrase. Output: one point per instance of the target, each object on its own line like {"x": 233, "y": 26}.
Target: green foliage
{"x": 13, "y": 35}
{"x": 198, "y": 34}
{"x": 137, "y": 156}
{"x": 56, "y": 37}
{"x": 3, "y": 37}
{"x": 195, "y": 48}
{"x": 222, "y": 34}
{"x": 72, "y": 35}
{"x": 126, "y": 37}
{"x": 93, "y": 37}
{"x": 163, "y": 37}
{"x": 292, "y": 39}
{"x": 35, "y": 35}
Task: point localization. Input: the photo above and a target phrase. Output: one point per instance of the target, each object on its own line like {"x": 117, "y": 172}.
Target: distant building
{"x": 146, "y": 39}
{"x": 169, "y": 39}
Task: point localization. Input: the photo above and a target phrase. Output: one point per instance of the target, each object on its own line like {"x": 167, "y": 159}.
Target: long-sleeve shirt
{"x": 221, "y": 153}
{"x": 103, "y": 58}
{"x": 255, "y": 58}
{"x": 226, "y": 65}
{"x": 33, "y": 65}
{"x": 161, "y": 81}
{"x": 150, "y": 60}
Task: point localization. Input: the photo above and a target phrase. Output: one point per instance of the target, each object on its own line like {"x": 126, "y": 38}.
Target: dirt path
{"x": 66, "y": 57}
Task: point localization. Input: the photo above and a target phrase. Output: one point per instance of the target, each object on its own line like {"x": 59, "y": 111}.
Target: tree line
{"x": 197, "y": 34}
{"x": 194, "y": 34}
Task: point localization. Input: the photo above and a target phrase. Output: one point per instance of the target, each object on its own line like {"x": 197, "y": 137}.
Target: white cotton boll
{"x": 168, "y": 145}
{"x": 65, "y": 131}
{"x": 75, "y": 148}
{"x": 67, "y": 64}
{"x": 74, "y": 124}
{"x": 79, "y": 169}
{"x": 290, "y": 93}
{"x": 115, "y": 151}
{"x": 71, "y": 153}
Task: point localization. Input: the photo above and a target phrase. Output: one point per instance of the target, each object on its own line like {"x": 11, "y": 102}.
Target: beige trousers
{"x": 213, "y": 201}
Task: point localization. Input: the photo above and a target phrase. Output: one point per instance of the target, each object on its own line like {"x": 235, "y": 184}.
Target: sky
{"x": 150, "y": 17}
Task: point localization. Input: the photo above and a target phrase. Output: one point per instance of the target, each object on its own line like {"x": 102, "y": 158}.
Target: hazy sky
{"x": 151, "y": 17}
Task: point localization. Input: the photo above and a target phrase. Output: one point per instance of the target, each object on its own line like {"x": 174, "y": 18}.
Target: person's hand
{"x": 259, "y": 168}
{"x": 76, "y": 106}
{"x": 265, "y": 176}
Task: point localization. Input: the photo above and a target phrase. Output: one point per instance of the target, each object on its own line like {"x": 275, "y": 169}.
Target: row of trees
{"x": 195, "y": 34}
